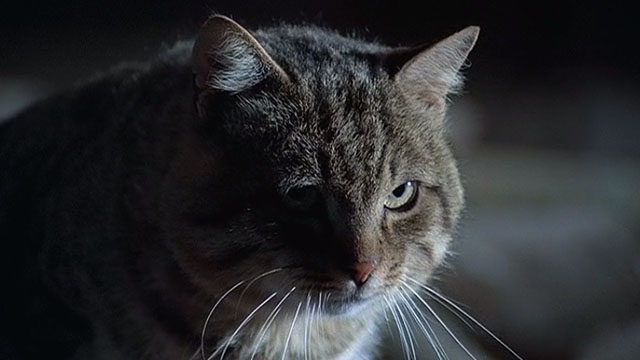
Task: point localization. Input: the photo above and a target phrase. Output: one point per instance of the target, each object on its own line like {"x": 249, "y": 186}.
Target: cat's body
{"x": 252, "y": 167}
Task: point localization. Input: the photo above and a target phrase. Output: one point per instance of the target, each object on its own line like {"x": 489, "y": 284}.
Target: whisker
{"x": 403, "y": 340}
{"x": 386, "y": 318}
{"x": 408, "y": 330}
{"x": 316, "y": 313}
{"x": 426, "y": 322}
{"x": 252, "y": 282}
{"x": 206, "y": 323}
{"x": 422, "y": 321}
{"x": 444, "y": 326}
{"x": 293, "y": 323}
{"x": 268, "y": 321}
{"x": 458, "y": 308}
{"x": 215, "y": 306}
{"x": 242, "y": 324}
{"x": 444, "y": 304}
{"x": 314, "y": 317}
{"x": 195, "y": 355}
{"x": 306, "y": 326}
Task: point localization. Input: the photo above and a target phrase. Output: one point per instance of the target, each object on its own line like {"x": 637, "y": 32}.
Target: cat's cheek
{"x": 439, "y": 246}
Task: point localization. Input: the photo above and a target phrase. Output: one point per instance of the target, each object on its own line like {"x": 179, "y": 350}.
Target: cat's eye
{"x": 304, "y": 197}
{"x": 403, "y": 197}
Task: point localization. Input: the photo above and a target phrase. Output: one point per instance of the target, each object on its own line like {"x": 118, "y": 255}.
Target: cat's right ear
{"x": 227, "y": 58}
{"x": 428, "y": 74}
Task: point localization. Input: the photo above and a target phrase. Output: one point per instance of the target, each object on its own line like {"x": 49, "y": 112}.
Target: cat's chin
{"x": 350, "y": 304}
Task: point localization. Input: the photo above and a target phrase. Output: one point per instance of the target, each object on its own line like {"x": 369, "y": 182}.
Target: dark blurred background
{"x": 547, "y": 130}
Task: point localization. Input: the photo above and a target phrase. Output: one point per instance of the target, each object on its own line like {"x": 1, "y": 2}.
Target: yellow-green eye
{"x": 402, "y": 197}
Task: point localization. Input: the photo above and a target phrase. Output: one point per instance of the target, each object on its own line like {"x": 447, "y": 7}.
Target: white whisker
{"x": 443, "y": 304}
{"x": 403, "y": 340}
{"x": 446, "y": 328}
{"x": 314, "y": 317}
{"x": 242, "y": 324}
{"x": 267, "y": 323}
{"x": 386, "y": 318}
{"x": 206, "y": 323}
{"x": 252, "y": 282}
{"x": 215, "y": 306}
{"x": 293, "y": 323}
{"x": 422, "y": 321}
{"x": 195, "y": 355}
{"x": 408, "y": 330}
{"x": 306, "y": 327}
{"x": 436, "y": 294}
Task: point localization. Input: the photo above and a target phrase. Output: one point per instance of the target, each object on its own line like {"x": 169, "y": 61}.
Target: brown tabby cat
{"x": 261, "y": 195}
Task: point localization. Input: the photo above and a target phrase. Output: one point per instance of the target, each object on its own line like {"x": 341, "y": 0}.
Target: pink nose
{"x": 362, "y": 270}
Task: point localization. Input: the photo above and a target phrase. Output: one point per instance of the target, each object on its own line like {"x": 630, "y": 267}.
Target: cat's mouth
{"x": 341, "y": 301}
{"x": 349, "y": 304}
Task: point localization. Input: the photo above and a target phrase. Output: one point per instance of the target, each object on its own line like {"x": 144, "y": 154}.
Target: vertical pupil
{"x": 399, "y": 190}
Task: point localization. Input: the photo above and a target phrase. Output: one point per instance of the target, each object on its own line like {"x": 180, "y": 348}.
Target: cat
{"x": 247, "y": 195}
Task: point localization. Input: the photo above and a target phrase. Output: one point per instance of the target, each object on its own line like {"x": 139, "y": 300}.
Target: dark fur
{"x": 125, "y": 213}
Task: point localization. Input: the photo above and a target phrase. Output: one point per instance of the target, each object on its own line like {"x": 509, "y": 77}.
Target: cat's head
{"x": 320, "y": 157}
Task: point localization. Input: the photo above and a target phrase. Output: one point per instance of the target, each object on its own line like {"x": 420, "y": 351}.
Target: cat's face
{"x": 327, "y": 173}
{"x": 337, "y": 185}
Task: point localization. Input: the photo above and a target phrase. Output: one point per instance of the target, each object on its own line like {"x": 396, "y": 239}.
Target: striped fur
{"x": 133, "y": 203}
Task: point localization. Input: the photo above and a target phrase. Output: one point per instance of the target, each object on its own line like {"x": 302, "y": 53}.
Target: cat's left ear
{"x": 428, "y": 75}
{"x": 227, "y": 58}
